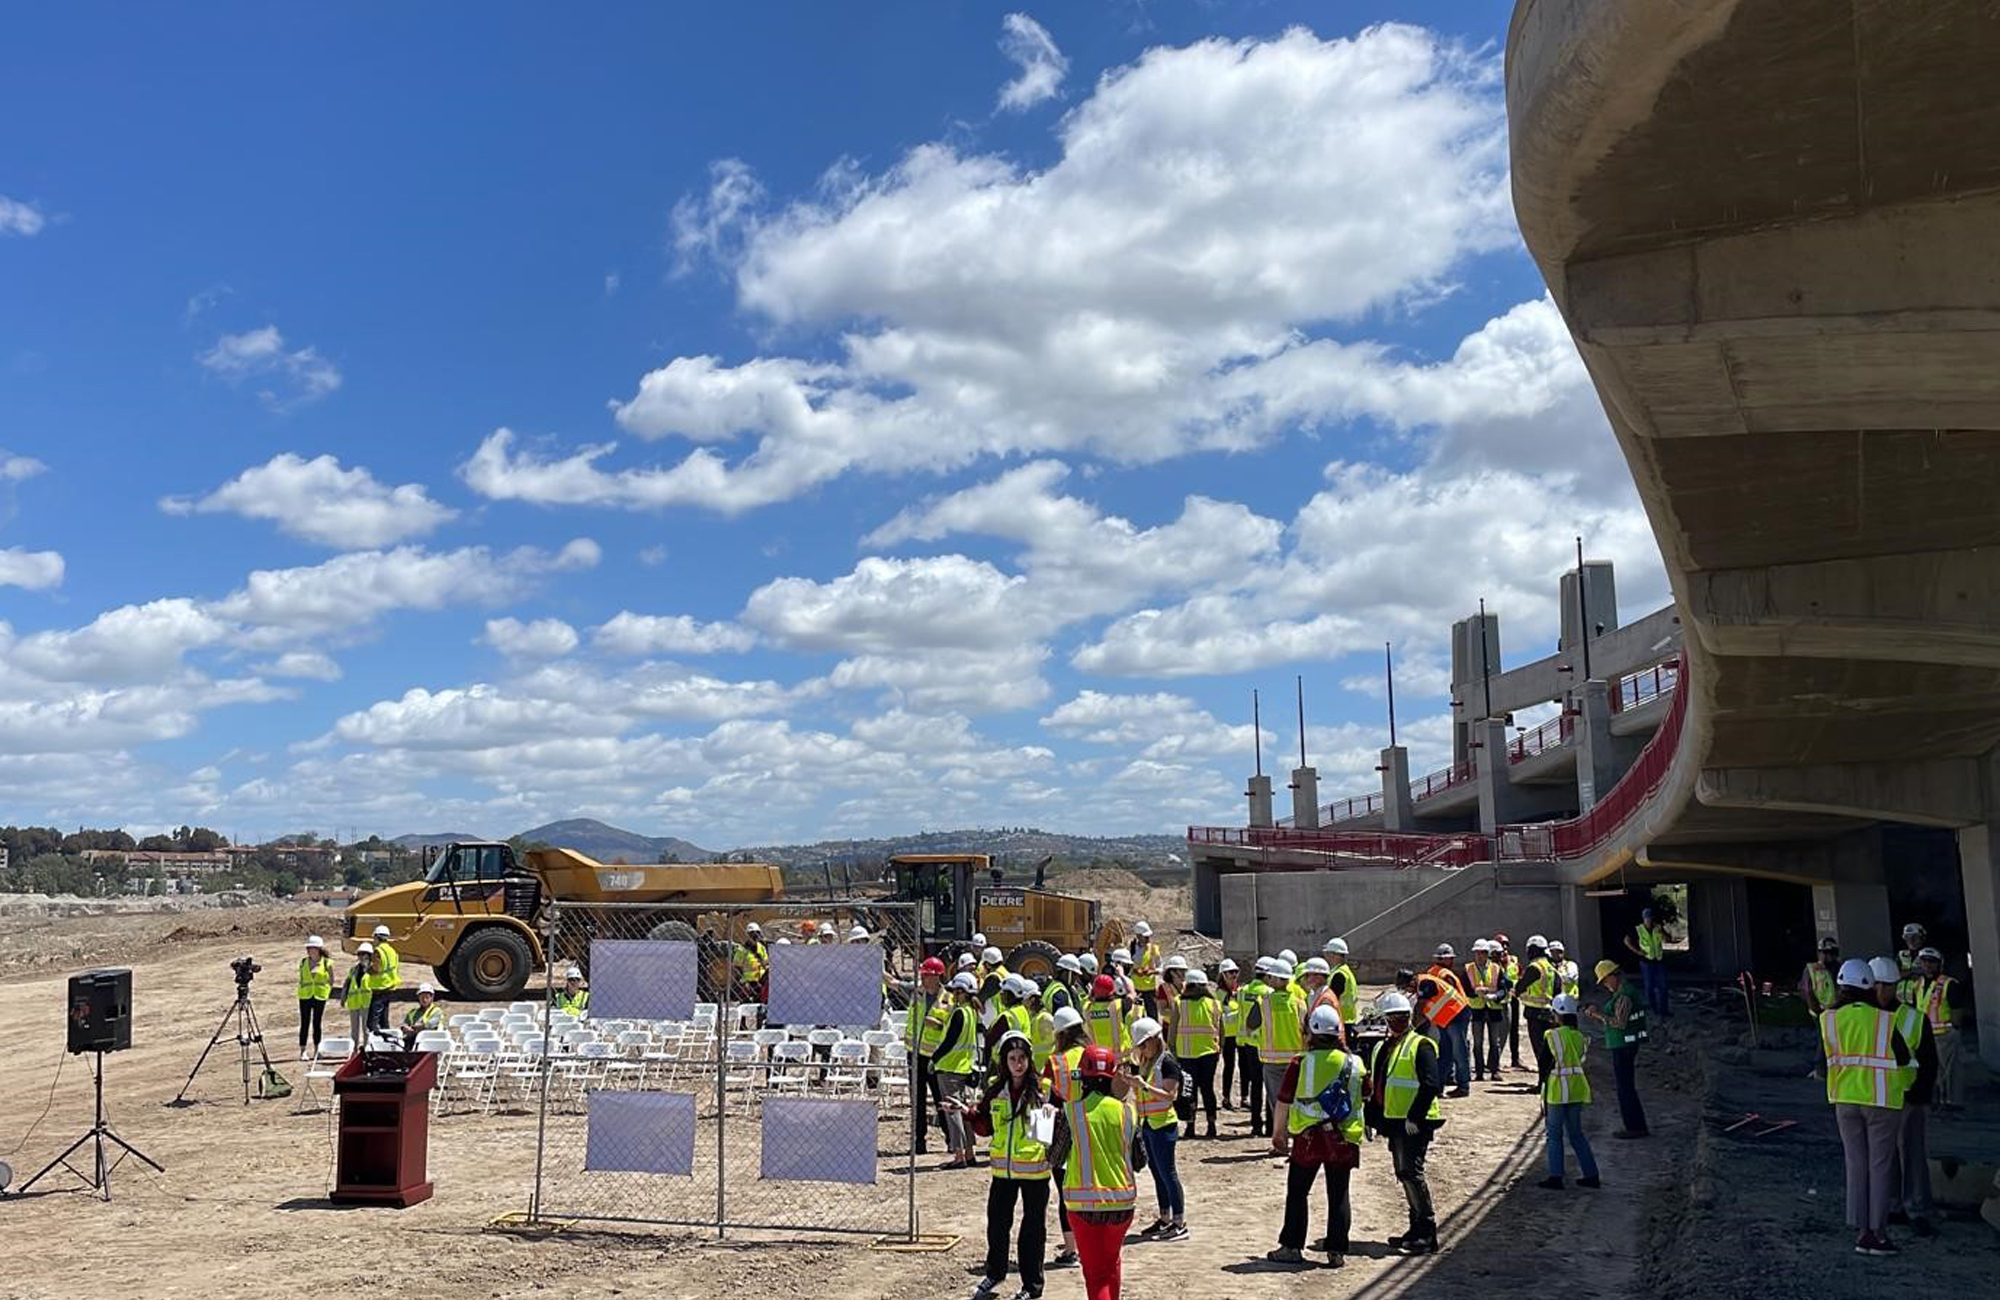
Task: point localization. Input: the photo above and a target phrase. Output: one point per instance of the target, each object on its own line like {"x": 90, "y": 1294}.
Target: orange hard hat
{"x": 806, "y": 927}
{"x": 1098, "y": 1063}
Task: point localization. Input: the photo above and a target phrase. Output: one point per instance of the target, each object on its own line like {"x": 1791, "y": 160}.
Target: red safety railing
{"x": 1634, "y": 689}
{"x": 1553, "y": 734}
{"x": 1375, "y": 848}
{"x": 1342, "y": 810}
{"x": 1441, "y": 780}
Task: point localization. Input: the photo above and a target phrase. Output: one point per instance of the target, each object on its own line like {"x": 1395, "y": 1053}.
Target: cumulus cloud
{"x": 1160, "y": 726}
{"x": 626, "y": 633}
{"x": 33, "y": 570}
{"x": 309, "y": 664}
{"x": 890, "y": 605}
{"x": 16, "y": 469}
{"x": 318, "y": 501}
{"x": 289, "y": 377}
{"x": 18, "y": 217}
{"x": 545, "y": 638}
{"x": 1040, "y": 65}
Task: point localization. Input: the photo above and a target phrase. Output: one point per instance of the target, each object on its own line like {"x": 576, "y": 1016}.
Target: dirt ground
{"x": 242, "y": 1208}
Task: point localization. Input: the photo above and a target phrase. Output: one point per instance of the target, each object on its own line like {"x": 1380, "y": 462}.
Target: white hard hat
{"x": 1069, "y": 963}
{"x": 1197, "y": 978}
{"x": 1315, "y": 966}
{"x": 1280, "y": 968}
{"x": 1393, "y": 1003}
{"x": 363, "y": 946}
{"x": 1854, "y": 973}
{"x": 1563, "y": 1004}
{"x": 1556, "y": 945}
{"x": 1175, "y": 963}
{"x": 1087, "y": 960}
{"x": 1338, "y": 947}
{"x": 1120, "y": 957}
{"x": 753, "y": 928}
{"x": 1482, "y": 945}
{"x": 1885, "y": 970}
{"x": 1016, "y": 985}
{"x": 1445, "y": 950}
{"x": 967, "y": 960}
{"x": 990, "y": 956}
{"x": 1226, "y": 966}
{"x": 381, "y": 932}
{"x": 574, "y": 973}
{"x": 1144, "y": 1029}
{"x": 783, "y": 942}
{"x": 979, "y": 941}
{"x": 314, "y": 941}
{"x": 1536, "y": 941}
{"x": 1144, "y": 930}
{"x": 1323, "y": 1020}
{"x": 1068, "y": 1018}
{"x": 1911, "y": 930}
{"x": 1930, "y": 954}
{"x": 964, "y": 983}
{"x": 426, "y": 988}
{"x": 1264, "y": 965}
{"x": 1287, "y": 955}
{"x": 858, "y": 934}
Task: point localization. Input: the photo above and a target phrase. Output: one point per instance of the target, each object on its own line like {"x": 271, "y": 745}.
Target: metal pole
{"x": 916, "y": 1108}
{"x": 548, "y": 1015}
{"x": 1582, "y": 609}
{"x": 1389, "y": 675}
{"x": 1300, "y": 681}
{"x": 1257, "y": 730}
{"x": 1485, "y": 659}
{"x": 722, "y": 1018}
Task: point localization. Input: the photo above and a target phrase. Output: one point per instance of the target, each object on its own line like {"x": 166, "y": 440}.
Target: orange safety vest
{"x": 1442, "y": 1007}
{"x": 1062, "y": 1073}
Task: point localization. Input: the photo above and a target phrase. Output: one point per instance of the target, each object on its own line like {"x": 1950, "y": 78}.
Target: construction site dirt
{"x": 242, "y": 1209}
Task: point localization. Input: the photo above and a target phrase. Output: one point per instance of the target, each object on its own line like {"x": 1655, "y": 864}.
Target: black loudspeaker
{"x": 100, "y": 1011}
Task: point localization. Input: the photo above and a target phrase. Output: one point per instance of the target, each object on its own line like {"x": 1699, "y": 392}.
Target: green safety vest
{"x": 1485, "y": 984}
{"x": 1934, "y": 996}
{"x": 575, "y": 1003}
{"x": 1104, "y": 1022}
{"x": 1399, "y": 1085}
{"x": 1097, "y": 1177}
{"x": 1822, "y": 984}
{"x": 1042, "y": 1038}
{"x": 1281, "y": 1036}
{"x": 959, "y": 1059}
{"x": 1539, "y": 991}
{"x": 1568, "y": 1085}
{"x": 1232, "y": 1011}
{"x": 315, "y": 979}
{"x": 1157, "y": 1111}
{"x": 1057, "y": 996}
{"x": 1145, "y": 963}
{"x": 1019, "y": 1021}
{"x": 1014, "y": 1153}
{"x": 1635, "y": 1021}
{"x": 1350, "y": 1001}
{"x": 1246, "y": 997}
{"x": 1861, "y": 1067}
{"x": 423, "y": 1017}
{"x": 1319, "y": 1070}
{"x": 1652, "y": 943}
{"x": 935, "y": 1013}
{"x": 388, "y": 968}
{"x": 1910, "y": 1025}
{"x": 1197, "y": 1032}
{"x": 357, "y": 992}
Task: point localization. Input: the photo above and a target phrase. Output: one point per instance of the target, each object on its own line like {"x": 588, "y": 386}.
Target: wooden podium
{"x": 384, "y": 1128}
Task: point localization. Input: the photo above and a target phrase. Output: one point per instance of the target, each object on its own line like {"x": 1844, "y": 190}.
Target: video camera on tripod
{"x": 242, "y": 1018}
{"x": 246, "y": 969}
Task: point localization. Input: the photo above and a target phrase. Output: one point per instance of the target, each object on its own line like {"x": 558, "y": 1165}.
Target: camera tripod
{"x": 99, "y": 1179}
{"x": 248, "y": 1032}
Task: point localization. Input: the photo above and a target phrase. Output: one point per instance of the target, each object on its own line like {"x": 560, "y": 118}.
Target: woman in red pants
{"x": 1093, "y": 1142}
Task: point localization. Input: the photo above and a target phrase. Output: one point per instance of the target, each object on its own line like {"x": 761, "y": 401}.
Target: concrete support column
{"x": 1396, "y": 814}
{"x": 1853, "y": 906}
{"x": 1305, "y": 798}
{"x": 1583, "y": 931}
{"x": 1979, "y": 867}
{"x": 1495, "y": 780}
{"x": 1596, "y": 760}
{"x": 1260, "y": 801}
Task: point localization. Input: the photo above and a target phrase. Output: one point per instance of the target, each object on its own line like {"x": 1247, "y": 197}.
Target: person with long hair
{"x": 1066, "y": 1085}
{"x": 1228, "y": 980}
{"x": 1093, "y": 1143}
{"x": 1156, "y": 1080}
{"x": 1198, "y": 1044}
{"x": 1007, "y": 1113}
{"x": 315, "y": 987}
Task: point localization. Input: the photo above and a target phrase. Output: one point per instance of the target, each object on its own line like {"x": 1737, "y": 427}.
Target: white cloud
{"x": 891, "y": 606}
{"x": 318, "y": 501}
{"x": 16, "y": 469}
{"x": 1154, "y": 291}
{"x": 545, "y": 638}
{"x": 1165, "y": 727}
{"x": 131, "y": 644}
{"x": 929, "y": 681}
{"x": 712, "y": 225}
{"x": 653, "y": 556}
{"x": 1214, "y": 634}
{"x": 33, "y": 570}
{"x": 18, "y": 217}
{"x": 626, "y": 633}
{"x": 309, "y": 664}
{"x": 1030, "y": 48}
{"x": 293, "y": 377}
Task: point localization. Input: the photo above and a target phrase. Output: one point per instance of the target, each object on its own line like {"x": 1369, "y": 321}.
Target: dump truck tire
{"x": 671, "y": 930}
{"x": 491, "y": 965}
{"x": 441, "y": 976}
{"x": 1035, "y": 959}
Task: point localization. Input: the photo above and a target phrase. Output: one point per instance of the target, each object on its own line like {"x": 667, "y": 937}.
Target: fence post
{"x": 724, "y": 1016}
{"x": 552, "y": 926}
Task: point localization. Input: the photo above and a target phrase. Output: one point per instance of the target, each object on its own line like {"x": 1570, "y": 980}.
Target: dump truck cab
{"x": 956, "y": 896}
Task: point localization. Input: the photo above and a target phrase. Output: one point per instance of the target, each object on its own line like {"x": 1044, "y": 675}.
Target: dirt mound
{"x": 73, "y": 942}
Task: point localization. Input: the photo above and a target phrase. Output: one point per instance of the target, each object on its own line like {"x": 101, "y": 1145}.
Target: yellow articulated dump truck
{"x": 475, "y": 918}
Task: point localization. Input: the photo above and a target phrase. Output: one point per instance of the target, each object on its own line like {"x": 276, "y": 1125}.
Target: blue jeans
{"x": 1160, "y": 1147}
{"x": 1454, "y": 1054}
{"x": 1655, "y": 975}
{"x": 1569, "y": 1119}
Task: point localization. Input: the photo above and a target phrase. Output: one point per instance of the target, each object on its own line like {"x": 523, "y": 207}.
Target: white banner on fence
{"x": 814, "y": 1140}
{"x": 825, "y": 984}
{"x": 642, "y": 979}
{"x": 641, "y": 1132}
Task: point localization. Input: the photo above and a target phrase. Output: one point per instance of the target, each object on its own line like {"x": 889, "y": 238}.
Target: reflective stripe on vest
{"x": 1014, "y": 1152}
{"x": 959, "y": 1059}
{"x": 1909, "y": 1023}
{"x": 1537, "y": 992}
{"x": 1567, "y": 1085}
{"x": 1443, "y": 1006}
{"x": 1280, "y": 1036}
{"x": 1062, "y": 1073}
{"x": 1196, "y": 1032}
{"x": 1934, "y": 994}
{"x": 1232, "y": 1012}
{"x": 1861, "y": 1066}
{"x": 1319, "y": 1070}
{"x": 1485, "y": 984}
{"x": 1105, "y": 1023}
{"x": 1350, "y": 997}
{"x": 575, "y": 1003}
{"x": 1399, "y": 1086}
{"x": 1652, "y": 943}
{"x": 1156, "y": 1109}
{"x": 1098, "y": 1174}
{"x": 423, "y": 1017}
{"x": 315, "y": 979}
{"x": 1145, "y": 969}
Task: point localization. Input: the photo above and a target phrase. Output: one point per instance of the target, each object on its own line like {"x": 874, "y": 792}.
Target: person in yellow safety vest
{"x": 1313, "y": 976}
{"x": 1910, "y": 1171}
{"x": 1228, "y": 980}
{"x": 1535, "y": 990}
{"x": 1157, "y": 1082}
{"x": 1198, "y": 1044}
{"x": 1120, "y": 963}
{"x": 752, "y": 961}
{"x": 955, "y": 1063}
{"x": 1249, "y": 997}
{"x": 1865, "y": 1060}
{"x": 1013, "y": 1017}
{"x": 386, "y": 979}
{"x": 1167, "y": 993}
{"x": 1345, "y": 986}
{"x": 1568, "y": 977}
{"x": 1448, "y": 1013}
{"x": 1041, "y": 1024}
{"x": 1909, "y": 960}
{"x": 1093, "y": 1143}
{"x": 1145, "y": 963}
{"x": 1279, "y": 1025}
{"x": 1066, "y": 1084}
{"x": 1648, "y": 942}
{"x": 1321, "y": 1139}
{"x": 1484, "y": 1010}
{"x": 1403, "y": 1108}
{"x": 1511, "y": 964}
{"x": 1566, "y": 1094}
{"x": 1064, "y": 990}
{"x": 315, "y": 987}
{"x": 426, "y": 1014}
{"x": 1007, "y": 1113}
{"x": 1933, "y": 997}
{"x": 923, "y": 1029}
{"x": 1104, "y": 1016}
{"x": 573, "y": 997}
{"x": 1816, "y": 986}
{"x": 357, "y": 993}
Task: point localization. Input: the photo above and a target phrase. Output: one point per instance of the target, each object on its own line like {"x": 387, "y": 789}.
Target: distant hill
{"x": 428, "y": 841}
{"x": 609, "y": 843}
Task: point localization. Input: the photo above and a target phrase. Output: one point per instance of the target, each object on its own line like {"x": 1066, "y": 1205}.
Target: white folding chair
{"x": 332, "y": 1054}
{"x": 850, "y": 1066}
{"x": 893, "y": 1074}
{"x": 492, "y": 1015}
{"x": 459, "y": 1021}
{"x": 476, "y": 1069}
{"x": 790, "y": 1067}
{"x": 524, "y": 1008}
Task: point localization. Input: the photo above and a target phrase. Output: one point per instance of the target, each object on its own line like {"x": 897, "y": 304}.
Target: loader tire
{"x": 1035, "y": 959}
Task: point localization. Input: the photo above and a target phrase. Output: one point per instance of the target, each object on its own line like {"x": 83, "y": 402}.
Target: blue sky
{"x": 998, "y": 395}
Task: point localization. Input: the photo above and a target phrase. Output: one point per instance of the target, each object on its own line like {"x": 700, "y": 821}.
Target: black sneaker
{"x": 1589, "y": 1182}
{"x": 1552, "y": 1184}
{"x": 1922, "y": 1227}
{"x": 1397, "y": 1242}
{"x": 1884, "y": 1246}
{"x": 1173, "y": 1232}
{"x": 1065, "y": 1259}
{"x": 1286, "y": 1255}
{"x": 1425, "y": 1244}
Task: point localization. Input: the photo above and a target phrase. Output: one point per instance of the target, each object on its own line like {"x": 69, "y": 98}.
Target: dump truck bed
{"x": 579, "y": 878}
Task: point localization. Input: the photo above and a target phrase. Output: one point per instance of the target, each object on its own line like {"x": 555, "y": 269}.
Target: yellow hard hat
{"x": 1606, "y": 967}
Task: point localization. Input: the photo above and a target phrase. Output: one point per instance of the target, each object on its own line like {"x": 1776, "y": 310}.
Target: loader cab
{"x": 941, "y": 887}
{"x": 479, "y": 876}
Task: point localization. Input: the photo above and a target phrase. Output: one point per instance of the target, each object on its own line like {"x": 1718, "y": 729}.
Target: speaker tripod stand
{"x": 99, "y": 1178}
{"x": 243, "y": 1016}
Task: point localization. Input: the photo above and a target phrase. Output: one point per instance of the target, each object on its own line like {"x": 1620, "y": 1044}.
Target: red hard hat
{"x": 931, "y": 966}
{"x": 1103, "y": 987}
{"x": 1098, "y": 1062}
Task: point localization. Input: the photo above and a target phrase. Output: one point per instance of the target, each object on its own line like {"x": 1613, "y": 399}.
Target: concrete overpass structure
{"x": 1770, "y": 227}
